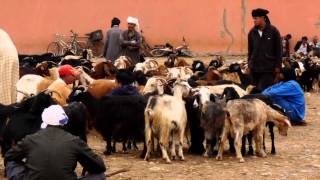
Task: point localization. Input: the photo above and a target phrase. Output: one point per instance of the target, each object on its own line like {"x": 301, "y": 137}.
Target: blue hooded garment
{"x": 125, "y": 90}
{"x": 289, "y": 96}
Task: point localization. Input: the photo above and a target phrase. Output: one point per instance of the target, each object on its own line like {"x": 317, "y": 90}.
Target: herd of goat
{"x": 211, "y": 103}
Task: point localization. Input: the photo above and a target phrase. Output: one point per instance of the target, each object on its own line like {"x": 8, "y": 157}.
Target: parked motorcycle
{"x": 168, "y": 49}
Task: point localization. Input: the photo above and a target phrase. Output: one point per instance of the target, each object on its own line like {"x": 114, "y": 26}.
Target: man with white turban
{"x": 52, "y": 153}
{"x": 131, "y": 40}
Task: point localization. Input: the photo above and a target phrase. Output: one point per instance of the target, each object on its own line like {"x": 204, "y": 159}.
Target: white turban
{"x": 54, "y": 115}
{"x": 133, "y": 20}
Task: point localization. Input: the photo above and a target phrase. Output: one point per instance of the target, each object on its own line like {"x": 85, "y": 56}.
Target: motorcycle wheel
{"x": 187, "y": 53}
{"x": 158, "y": 53}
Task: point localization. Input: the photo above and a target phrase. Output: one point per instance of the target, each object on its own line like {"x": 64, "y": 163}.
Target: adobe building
{"x": 207, "y": 25}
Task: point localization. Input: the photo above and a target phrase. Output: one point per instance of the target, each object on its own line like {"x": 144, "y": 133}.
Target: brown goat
{"x": 245, "y": 115}
{"x": 104, "y": 70}
{"x": 101, "y": 87}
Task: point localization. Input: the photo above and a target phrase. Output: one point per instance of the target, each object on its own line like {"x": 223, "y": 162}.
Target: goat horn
{"x": 24, "y": 93}
{"x": 83, "y": 86}
{"x": 52, "y": 91}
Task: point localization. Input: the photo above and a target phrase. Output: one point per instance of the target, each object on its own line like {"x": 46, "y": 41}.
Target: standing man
{"x": 286, "y": 45}
{"x": 131, "y": 40}
{"x": 264, "y": 51}
{"x": 112, "y": 49}
{"x": 9, "y": 69}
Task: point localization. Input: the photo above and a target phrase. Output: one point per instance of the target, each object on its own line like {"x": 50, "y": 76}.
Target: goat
{"x": 104, "y": 69}
{"x": 244, "y": 116}
{"x": 166, "y": 117}
{"x": 117, "y": 117}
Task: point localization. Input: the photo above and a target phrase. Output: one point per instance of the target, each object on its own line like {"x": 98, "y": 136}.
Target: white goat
{"x": 27, "y": 86}
{"x": 166, "y": 118}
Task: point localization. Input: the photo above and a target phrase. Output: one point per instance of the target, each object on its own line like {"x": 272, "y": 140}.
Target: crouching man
{"x": 289, "y": 95}
{"x": 52, "y": 153}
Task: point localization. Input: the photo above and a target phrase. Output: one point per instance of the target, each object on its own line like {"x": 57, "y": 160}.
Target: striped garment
{"x": 9, "y": 76}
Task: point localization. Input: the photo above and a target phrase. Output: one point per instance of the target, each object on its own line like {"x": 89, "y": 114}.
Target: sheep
{"x": 173, "y": 61}
{"x": 244, "y": 116}
{"x": 123, "y": 62}
{"x": 154, "y": 85}
{"x": 183, "y": 73}
{"x": 198, "y": 65}
{"x": 146, "y": 66}
{"x": 166, "y": 117}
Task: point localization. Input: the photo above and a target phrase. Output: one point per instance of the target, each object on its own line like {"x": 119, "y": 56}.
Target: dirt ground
{"x": 298, "y": 157}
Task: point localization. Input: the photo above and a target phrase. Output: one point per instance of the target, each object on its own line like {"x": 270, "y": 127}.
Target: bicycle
{"x": 59, "y": 47}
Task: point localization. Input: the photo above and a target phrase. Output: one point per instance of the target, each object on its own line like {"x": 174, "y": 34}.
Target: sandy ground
{"x": 298, "y": 157}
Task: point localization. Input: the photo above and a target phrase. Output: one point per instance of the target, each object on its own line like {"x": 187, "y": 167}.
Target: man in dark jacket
{"x": 112, "y": 49}
{"x": 52, "y": 153}
{"x": 302, "y": 47}
{"x": 286, "y": 45}
{"x": 131, "y": 40}
{"x": 264, "y": 50}
{"x": 125, "y": 79}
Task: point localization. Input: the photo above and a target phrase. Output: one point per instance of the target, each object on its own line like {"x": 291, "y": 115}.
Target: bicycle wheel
{"x": 158, "y": 53}
{"x": 96, "y": 48}
{"x": 78, "y": 48}
{"x": 54, "y": 48}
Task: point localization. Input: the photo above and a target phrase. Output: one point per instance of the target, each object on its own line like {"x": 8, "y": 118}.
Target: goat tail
{"x": 278, "y": 117}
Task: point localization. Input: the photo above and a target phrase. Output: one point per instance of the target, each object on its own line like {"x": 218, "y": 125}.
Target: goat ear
{"x": 287, "y": 122}
{"x": 195, "y": 103}
{"x": 213, "y": 98}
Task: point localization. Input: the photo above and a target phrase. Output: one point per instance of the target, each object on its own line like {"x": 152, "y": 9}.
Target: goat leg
{"x": 243, "y": 146}
{"x": 108, "y": 150}
{"x": 231, "y": 144}
{"x": 124, "y": 146}
{"x": 249, "y": 137}
{"x": 273, "y": 148}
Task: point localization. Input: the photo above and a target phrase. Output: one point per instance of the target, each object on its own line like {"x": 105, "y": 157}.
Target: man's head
{"x": 54, "y": 115}
{"x": 68, "y": 74}
{"x": 288, "y": 36}
{"x": 124, "y": 77}
{"x": 304, "y": 39}
{"x": 287, "y": 74}
{"x": 115, "y": 22}
{"x": 132, "y": 23}
{"x": 315, "y": 39}
{"x": 260, "y": 17}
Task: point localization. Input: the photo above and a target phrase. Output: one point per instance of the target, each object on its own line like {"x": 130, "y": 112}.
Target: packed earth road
{"x": 298, "y": 157}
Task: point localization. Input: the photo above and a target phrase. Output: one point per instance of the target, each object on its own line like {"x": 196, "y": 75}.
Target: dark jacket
{"x": 130, "y": 48}
{"x": 296, "y": 48}
{"x": 53, "y": 153}
{"x": 112, "y": 49}
{"x": 125, "y": 90}
{"x": 264, "y": 53}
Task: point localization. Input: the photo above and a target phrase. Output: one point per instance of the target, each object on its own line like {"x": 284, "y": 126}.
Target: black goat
{"x": 117, "y": 117}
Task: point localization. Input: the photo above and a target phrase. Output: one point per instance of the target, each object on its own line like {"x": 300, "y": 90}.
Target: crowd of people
{"x": 303, "y": 47}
